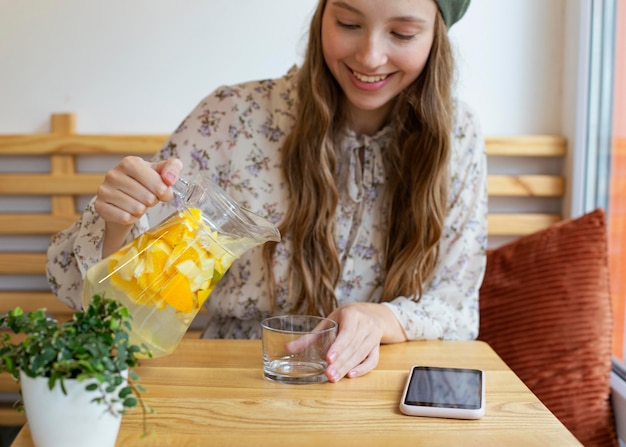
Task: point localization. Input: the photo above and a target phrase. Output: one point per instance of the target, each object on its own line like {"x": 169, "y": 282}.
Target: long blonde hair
{"x": 417, "y": 190}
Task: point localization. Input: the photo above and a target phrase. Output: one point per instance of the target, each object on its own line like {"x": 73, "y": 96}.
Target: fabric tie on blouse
{"x": 366, "y": 175}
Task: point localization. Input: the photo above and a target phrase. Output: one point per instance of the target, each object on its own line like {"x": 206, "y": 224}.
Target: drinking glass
{"x": 295, "y": 348}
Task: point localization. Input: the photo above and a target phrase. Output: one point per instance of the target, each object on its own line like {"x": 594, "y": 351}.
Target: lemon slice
{"x": 171, "y": 265}
{"x": 177, "y": 293}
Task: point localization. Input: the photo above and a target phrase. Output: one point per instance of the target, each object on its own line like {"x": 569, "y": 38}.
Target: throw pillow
{"x": 545, "y": 309}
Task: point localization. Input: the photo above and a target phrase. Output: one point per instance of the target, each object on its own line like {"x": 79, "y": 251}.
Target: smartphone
{"x": 457, "y": 393}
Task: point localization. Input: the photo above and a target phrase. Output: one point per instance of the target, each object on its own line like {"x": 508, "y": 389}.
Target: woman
{"x": 375, "y": 176}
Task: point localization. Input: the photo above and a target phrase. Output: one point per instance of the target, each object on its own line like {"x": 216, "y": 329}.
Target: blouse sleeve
{"x": 74, "y": 250}
{"x": 449, "y": 308}
{"x": 197, "y": 142}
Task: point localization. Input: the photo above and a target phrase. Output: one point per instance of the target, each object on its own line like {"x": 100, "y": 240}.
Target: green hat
{"x": 452, "y": 10}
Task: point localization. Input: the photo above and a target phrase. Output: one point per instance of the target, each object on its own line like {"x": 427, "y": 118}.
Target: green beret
{"x": 452, "y": 10}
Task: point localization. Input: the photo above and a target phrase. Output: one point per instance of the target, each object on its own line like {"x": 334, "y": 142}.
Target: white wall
{"x": 139, "y": 66}
{"x": 510, "y": 64}
{"x": 136, "y": 66}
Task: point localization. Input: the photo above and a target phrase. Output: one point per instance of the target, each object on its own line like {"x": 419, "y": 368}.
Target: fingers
{"x": 134, "y": 186}
{"x": 169, "y": 169}
{"x": 370, "y": 362}
{"x": 356, "y": 349}
{"x": 352, "y": 363}
{"x": 301, "y": 343}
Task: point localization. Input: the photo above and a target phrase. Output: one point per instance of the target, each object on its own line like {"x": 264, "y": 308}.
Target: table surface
{"x": 212, "y": 392}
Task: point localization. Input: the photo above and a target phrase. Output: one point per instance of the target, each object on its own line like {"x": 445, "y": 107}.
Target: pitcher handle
{"x": 181, "y": 188}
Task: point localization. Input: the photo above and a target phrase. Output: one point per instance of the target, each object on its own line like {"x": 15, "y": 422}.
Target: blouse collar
{"x": 362, "y": 178}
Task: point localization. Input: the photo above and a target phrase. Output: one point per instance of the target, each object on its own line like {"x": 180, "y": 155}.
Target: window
{"x": 617, "y": 186}
{"x": 605, "y": 162}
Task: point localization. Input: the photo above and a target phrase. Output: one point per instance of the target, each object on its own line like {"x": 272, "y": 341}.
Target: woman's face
{"x": 375, "y": 49}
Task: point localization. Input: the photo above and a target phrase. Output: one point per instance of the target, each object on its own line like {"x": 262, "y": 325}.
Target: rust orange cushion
{"x": 545, "y": 309}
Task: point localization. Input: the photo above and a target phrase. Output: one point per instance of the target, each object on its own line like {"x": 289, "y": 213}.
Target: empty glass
{"x": 295, "y": 348}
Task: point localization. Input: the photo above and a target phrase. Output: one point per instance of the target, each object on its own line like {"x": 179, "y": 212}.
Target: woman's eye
{"x": 403, "y": 36}
{"x": 347, "y": 25}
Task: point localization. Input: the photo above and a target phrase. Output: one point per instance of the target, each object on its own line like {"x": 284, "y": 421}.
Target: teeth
{"x": 363, "y": 78}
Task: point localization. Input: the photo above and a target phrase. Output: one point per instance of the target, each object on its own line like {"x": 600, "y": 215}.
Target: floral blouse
{"x": 234, "y": 136}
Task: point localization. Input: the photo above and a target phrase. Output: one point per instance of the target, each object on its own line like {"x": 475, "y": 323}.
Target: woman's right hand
{"x": 128, "y": 191}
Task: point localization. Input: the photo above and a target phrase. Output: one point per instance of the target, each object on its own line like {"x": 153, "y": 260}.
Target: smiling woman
{"x": 374, "y": 174}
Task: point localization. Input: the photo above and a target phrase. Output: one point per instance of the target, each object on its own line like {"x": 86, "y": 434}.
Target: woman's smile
{"x": 370, "y": 82}
{"x": 369, "y": 79}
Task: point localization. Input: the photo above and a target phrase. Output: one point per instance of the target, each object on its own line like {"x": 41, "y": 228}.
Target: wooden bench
{"x": 63, "y": 184}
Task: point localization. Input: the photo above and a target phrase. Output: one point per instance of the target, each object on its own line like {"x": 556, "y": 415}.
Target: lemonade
{"x": 163, "y": 277}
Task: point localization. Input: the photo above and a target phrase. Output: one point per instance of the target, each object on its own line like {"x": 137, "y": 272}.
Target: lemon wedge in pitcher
{"x": 171, "y": 266}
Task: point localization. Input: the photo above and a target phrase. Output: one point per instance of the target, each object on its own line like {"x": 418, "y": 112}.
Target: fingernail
{"x": 170, "y": 177}
{"x": 332, "y": 356}
{"x": 331, "y": 372}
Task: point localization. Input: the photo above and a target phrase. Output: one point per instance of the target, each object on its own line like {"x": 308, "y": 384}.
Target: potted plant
{"x": 83, "y": 365}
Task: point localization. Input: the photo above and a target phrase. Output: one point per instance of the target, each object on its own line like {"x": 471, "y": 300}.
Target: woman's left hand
{"x": 362, "y": 327}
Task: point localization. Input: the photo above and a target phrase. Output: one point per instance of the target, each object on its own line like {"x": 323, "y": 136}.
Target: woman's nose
{"x": 372, "y": 52}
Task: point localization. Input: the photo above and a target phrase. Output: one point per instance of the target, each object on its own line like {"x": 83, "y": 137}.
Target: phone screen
{"x": 444, "y": 387}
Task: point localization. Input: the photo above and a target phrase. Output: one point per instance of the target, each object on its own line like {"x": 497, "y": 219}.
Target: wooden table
{"x": 212, "y": 393}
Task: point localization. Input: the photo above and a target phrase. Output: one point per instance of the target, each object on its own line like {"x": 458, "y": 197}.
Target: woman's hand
{"x": 362, "y": 328}
{"x": 128, "y": 191}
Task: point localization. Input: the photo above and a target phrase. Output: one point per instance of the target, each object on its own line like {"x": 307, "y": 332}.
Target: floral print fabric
{"x": 234, "y": 137}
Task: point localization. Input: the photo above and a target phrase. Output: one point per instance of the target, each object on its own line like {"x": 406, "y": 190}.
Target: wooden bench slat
{"x": 519, "y": 224}
{"x": 526, "y": 185}
{"x": 7, "y": 384}
{"x": 9, "y": 416}
{"x": 498, "y": 225}
{"x": 22, "y": 263}
{"x": 47, "y": 144}
{"x": 34, "y": 223}
{"x": 30, "y": 301}
{"x": 87, "y": 184}
{"x": 47, "y": 184}
{"x": 527, "y": 146}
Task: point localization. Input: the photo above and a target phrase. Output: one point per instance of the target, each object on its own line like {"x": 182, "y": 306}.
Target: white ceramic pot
{"x": 59, "y": 420}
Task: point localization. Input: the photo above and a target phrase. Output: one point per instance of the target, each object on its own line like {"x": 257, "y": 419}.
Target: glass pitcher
{"x": 165, "y": 275}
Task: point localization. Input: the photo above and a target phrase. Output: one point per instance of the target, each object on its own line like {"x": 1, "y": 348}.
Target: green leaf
{"x": 125, "y": 392}
{"x": 16, "y": 312}
{"x": 94, "y": 344}
{"x": 129, "y": 402}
